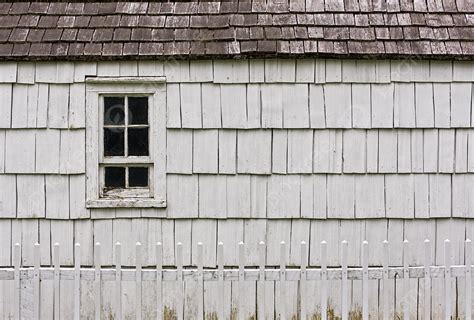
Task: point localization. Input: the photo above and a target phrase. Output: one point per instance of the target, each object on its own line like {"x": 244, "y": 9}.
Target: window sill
{"x": 125, "y": 203}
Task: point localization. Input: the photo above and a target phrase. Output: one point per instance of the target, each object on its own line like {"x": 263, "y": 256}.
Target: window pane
{"x": 138, "y": 142}
{"x": 114, "y": 113}
{"x": 137, "y": 177}
{"x": 138, "y": 110}
{"x": 113, "y": 142}
{"x": 115, "y": 177}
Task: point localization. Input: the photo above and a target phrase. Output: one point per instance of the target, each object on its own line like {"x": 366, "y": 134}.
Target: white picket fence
{"x": 221, "y": 275}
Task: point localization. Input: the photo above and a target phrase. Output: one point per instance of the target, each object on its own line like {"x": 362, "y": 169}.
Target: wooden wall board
{"x": 361, "y": 105}
{"x": 388, "y": 140}
{"x": 280, "y": 151}
{"x": 283, "y": 199}
{"x": 77, "y": 106}
{"x": 317, "y": 110}
{"x": 6, "y": 102}
{"x": 424, "y": 108}
{"x": 461, "y": 104}
{"x": 281, "y": 70}
{"x": 182, "y": 196}
{"x": 382, "y": 105}
{"x": 231, "y": 71}
{"x": 340, "y": 197}
{"x": 8, "y": 196}
{"x": 254, "y": 151}
{"x": 305, "y": 70}
{"x": 440, "y": 195}
{"x": 2, "y": 151}
{"x": 272, "y": 106}
{"x": 370, "y": 196}
{"x": 400, "y": 202}
{"x": 295, "y": 106}
{"x": 58, "y": 107}
{"x": 404, "y": 151}
{"x": 211, "y": 105}
{"x": 173, "y": 105}
{"x": 307, "y": 196}
{"x": 205, "y": 151}
{"x": 463, "y": 195}
{"x": 204, "y": 231}
{"x": 191, "y": 110}
{"x": 30, "y": 196}
{"x": 72, "y": 153}
{"x": 447, "y": 149}
{"x": 300, "y": 151}
{"x": 442, "y": 104}
{"x": 179, "y": 151}
{"x": 404, "y": 105}
{"x": 258, "y": 196}
{"x": 461, "y": 151}
{"x": 238, "y": 195}
{"x": 227, "y": 151}
{"x": 234, "y": 106}
{"x": 327, "y": 151}
{"x": 354, "y": 151}
{"x": 337, "y": 99}
{"x": 201, "y": 71}
{"x": 422, "y": 200}
{"x": 19, "y": 106}
{"x": 430, "y": 150}
{"x": 212, "y": 196}
{"x": 20, "y": 151}
{"x": 57, "y": 195}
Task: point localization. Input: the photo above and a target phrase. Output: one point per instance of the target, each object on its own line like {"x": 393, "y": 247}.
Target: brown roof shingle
{"x": 237, "y": 28}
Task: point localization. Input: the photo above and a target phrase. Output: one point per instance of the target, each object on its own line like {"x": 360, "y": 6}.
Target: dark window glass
{"x": 114, "y": 113}
{"x": 114, "y": 177}
{"x": 138, "y": 141}
{"x": 138, "y": 110}
{"x": 113, "y": 142}
{"x": 137, "y": 177}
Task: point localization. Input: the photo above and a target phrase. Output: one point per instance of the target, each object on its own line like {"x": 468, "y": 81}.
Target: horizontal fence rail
{"x": 31, "y": 278}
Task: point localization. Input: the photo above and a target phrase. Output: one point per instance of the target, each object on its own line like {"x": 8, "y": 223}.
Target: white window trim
{"x": 152, "y": 86}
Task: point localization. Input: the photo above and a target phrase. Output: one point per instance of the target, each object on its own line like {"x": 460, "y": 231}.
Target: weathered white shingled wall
{"x": 263, "y": 139}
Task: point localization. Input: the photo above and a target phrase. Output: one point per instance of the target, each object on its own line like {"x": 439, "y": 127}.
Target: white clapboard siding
{"x": 424, "y": 108}
{"x": 183, "y": 196}
{"x": 77, "y": 106}
{"x": 316, "y": 106}
{"x": 128, "y": 68}
{"x": 446, "y": 153}
{"x": 463, "y": 71}
{"x": 72, "y": 152}
{"x": 319, "y": 196}
{"x": 461, "y": 150}
{"x": 173, "y": 105}
{"x": 231, "y": 71}
{"x": 191, "y": 116}
{"x": 440, "y": 195}
{"x": 422, "y": 200}
{"x": 238, "y": 194}
{"x": 272, "y": 106}
{"x": 404, "y": 105}
{"x": 382, "y": 105}
{"x": 176, "y": 70}
{"x": 150, "y": 68}
{"x": 179, "y": 151}
{"x": 254, "y": 106}
{"x": 337, "y": 99}
{"x": 327, "y": 151}
{"x": 42, "y": 108}
{"x": 333, "y": 70}
{"x": 404, "y": 151}
{"x": 47, "y": 151}
{"x": 212, "y": 196}
{"x": 463, "y": 195}
{"x": 254, "y": 151}
{"x": 382, "y": 71}
{"x": 258, "y": 196}
{"x": 361, "y": 106}
{"x": 369, "y": 196}
{"x": 211, "y": 105}
{"x": 20, "y": 106}
{"x": 372, "y": 151}
{"x": 417, "y": 150}
{"x": 9, "y": 72}
{"x": 388, "y": 151}
{"x": 8, "y": 196}
{"x": 32, "y": 106}
{"x": 83, "y": 70}
{"x": 305, "y": 70}
{"x": 58, "y": 107}
{"x": 30, "y": 196}
{"x": 430, "y": 150}
{"x": 205, "y": 147}
{"x": 227, "y": 151}
{"x": 77, "y": 197}
{"x": 300, "y": 151}
{"x": 234, "y": 106}
{"x": 283, "y": 196}
{"x": 354, "y": 151}
{"x": 307, "y": 196}
{"x": 442, "y": 104}
{"x": 340, "y": 196}
{"x": 57, "y": 196}
{"x": 399, "y": 192}
{"x": 280, "y": 70}
{"x": 441, "y": 71}
{"x": 257, "y": 70}
{"x": 320, "y": 71}
{"x": 295, "y": 106}
{"x": 20, "y": 151}
{"x": 200, "y": 71}
{"x": 6, "y": 103}
{"x": 280, "y": 151}
{"x": 461, "y": 104}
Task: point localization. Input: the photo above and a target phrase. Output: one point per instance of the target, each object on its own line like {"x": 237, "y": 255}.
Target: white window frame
{"x": 96, "y": 89}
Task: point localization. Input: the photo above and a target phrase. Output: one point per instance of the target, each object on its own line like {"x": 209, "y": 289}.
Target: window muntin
{"x": 125, "y": 166}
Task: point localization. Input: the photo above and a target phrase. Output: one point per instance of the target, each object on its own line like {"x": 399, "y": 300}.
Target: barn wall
{"x": 284, "y": 148}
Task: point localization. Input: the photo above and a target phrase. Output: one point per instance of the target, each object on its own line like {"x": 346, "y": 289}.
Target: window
{"x": 126, "y": 142}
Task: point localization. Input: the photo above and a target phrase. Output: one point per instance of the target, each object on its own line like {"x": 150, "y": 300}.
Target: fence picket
{"x": 16, "y": 264}
{"x": 406, "y": 282}
{"x": 447, "y": 279}
{"x": 220, "y": 275}
{"x": 138, "y": 283}
{"x": 179, "y": 264}
{"x": 304, "y": 261}
{"x": 97, "y": 282}
{"x": 240, "y": 312}
{"x": 283, "y": 299}
{"x": 200, "y": 279}
{"x": 56, "y": 280}
{"x": 427, "y": 280}
{"x": 385, "y": 279}
{"x": 36, "y": 281}
{"x": 324, "y": 280}
{"x": 344, "y": 281}
{"x": 468, "y": 252}
{"x": 159, "y": 281}
{"x": 365, "y": 280}
{"x": 261, "y": 281}
{"x": 118, "y": 280}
